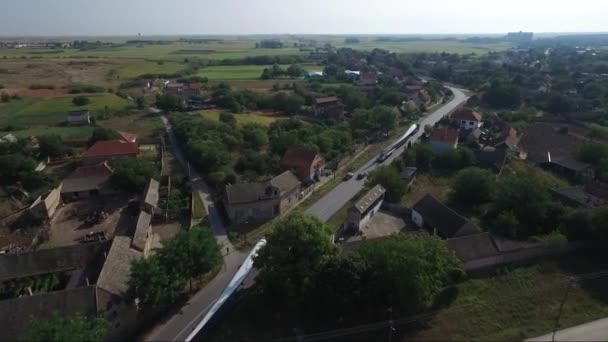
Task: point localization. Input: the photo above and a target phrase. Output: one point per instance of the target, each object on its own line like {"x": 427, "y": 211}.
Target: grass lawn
{"x": 198, "y": 209}
{"x": 518, "y": 166}
{"x": 137, "y": 68}
{"x": 35, "y": 116}
{"x": 423, "y": 184}
{"x": 241, "y": 119}
{"x": 512, "y": 304}
{"x": 53, "y": 111}
{"x": 521, "y": 303}
{"x": 143, "y": 124}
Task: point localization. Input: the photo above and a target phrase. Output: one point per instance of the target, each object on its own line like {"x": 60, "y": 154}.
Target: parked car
{"x": 348, "y": 176}
{"x": 362, "y": 175}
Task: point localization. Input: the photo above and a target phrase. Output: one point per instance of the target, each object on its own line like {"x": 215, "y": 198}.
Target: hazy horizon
{"x": 70, "y": 18}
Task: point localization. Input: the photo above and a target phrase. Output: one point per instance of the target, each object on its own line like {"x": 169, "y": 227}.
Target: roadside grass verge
{"x": 510, "y": 304}
{"x": 198, "y": 209}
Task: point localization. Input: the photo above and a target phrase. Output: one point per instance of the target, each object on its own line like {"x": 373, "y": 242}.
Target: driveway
{"x": 340, "y": 195}
{"x": 177, "y": 327}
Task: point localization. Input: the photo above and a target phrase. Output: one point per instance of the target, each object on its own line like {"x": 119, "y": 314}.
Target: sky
{"x": 209, "y": 17}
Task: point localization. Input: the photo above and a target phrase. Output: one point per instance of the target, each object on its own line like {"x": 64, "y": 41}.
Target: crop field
{"x": 243, "y": 72}
{"x": 32, "y": 116}
{"x": 241, "y": 119}
{"x": 132, "y": 69}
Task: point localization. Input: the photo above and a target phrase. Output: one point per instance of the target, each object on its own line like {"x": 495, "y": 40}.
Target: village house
{"x": 365, "y": 208}
{"x": 431, "y": 214}
{"x": 367, "y": 79}
{"x": 308, "y": 165}
{"x": 79, "y": 118}
{"x": 258, "y": 202}
{"x": 467, "y": 118}
{"x": 577, "y": 197}
{"x": 328, "y": 108}
{"x": 143, "y": 233}
{"x": 443, "y": 139}
{"x": 507, "y": 139}
{"x": 127, "y": 137}
{"x": 149, "y": 202}
{"x": 109, "y": 150}
{"x": 553, "y": 147}
{"x": 86, "y": 181}
{"x": 47, "y": 204}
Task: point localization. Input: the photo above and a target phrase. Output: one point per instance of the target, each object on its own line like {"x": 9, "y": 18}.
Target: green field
{"x": 233, "y": 48}
{"x": 36, "y": 116}
{"x": 243, "y": 72}
{"x": 134, "y": 69}
{"x": 241, "y": 119}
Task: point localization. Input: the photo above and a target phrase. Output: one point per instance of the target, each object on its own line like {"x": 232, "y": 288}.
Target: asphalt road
{"x": 178, "y": 326}
{"x": 592, "y": 331}
{"x": 327, "y": 206}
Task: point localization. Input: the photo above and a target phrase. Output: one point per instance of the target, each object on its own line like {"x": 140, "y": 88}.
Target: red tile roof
{"x": 298, "y": 158}
{"x": 370, "y": 76}
{"x": 99, "y": 170}
{"x": 111, "y": 148}
{"x": 127, "y": 137}
{"x": 194, "y": 86}
{"x": 467, "y": 114}
{"x": 323, "y": 100}
{"x": 413, "y": 88}
{"x": 446, "y": 135}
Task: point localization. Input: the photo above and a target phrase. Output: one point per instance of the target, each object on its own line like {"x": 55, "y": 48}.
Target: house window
{"x": 463, "y": 122}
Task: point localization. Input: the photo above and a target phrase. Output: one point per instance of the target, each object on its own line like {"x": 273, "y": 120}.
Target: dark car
{"x": 361, "y": 175}
{"x": 348, "y": 176}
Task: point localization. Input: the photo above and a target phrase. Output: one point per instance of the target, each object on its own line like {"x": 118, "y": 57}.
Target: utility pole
{"x": 561, "y": 306}
{"x": 391, "y": 327}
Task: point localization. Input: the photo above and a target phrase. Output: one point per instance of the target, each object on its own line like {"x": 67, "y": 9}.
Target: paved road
{"x": 341, "y": 194}
{"x": 592, "y": 331}
{"x": 177, "y": 327}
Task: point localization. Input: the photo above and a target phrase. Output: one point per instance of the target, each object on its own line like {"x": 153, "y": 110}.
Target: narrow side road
{"x": 177, "y": 327}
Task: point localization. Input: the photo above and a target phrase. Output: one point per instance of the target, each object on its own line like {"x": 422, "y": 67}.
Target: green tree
{"x": 52, "y": 146}
{"x": 255, "y": 136}
{"x": 420, "y": 156}
{"x": 406, "y": 271}
{"x": 169, "y": 102}
{"x": 81, "y": 101}
{"x": 140, "y": 102}
{"x": 389, "y": 178}
{"x": 4, "y": 97}
{"x": 228, "y": 118}
{"x": 578, "y": 225}
{"x": 132, "y": 174}
{"x": 294, "y": 250}
{"x": 60, "y": 328}
{"x": 103, "y": 134}
{"x": 503, "y": 94}
{"x": 473, "y": 186}
{"x": 192, "y": 253}
{"x": 527, "y": 198}
{"x": 153, "y": 283}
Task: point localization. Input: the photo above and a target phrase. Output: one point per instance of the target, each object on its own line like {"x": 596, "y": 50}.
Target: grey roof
{"x": 473, "y": 247}
{"x": 494, "y": 158}
{"x": 114, "y": 276}
{"x": 151, "y": 193}
{"x": 285, "y": 182}
{"x": 408, "y": 173}
{"x": 50, "y": 260}
{"x": 541, "y": 138}
{"x": 141, "y": 230}
{"x": 247, "y": 192}
{"x": 370, "y": 198}
{"x": 569, "y": 163}
{"x": 83, "y": 184}
{"x": 578, "y": 195}
{"x": 79, "y": 113}
{"x": 439, "y": 216}
{"x": 17, "y": 313}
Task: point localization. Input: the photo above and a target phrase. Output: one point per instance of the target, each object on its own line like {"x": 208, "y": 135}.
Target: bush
{"x": 85, "y": 88}
{"x": 41, "y": 86}
{"x": 5, "y": 97}
{"x": 133, "y": 174}
{"x": 81, "y": 101}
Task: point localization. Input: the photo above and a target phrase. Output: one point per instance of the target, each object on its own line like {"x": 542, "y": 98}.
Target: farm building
{"x": 79, "y": 118}
{"x": 360, "y": 213}
{"x": 86, "y": 181}
{"x": 431, "y": 214}
{"x": 109, "y": 150}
